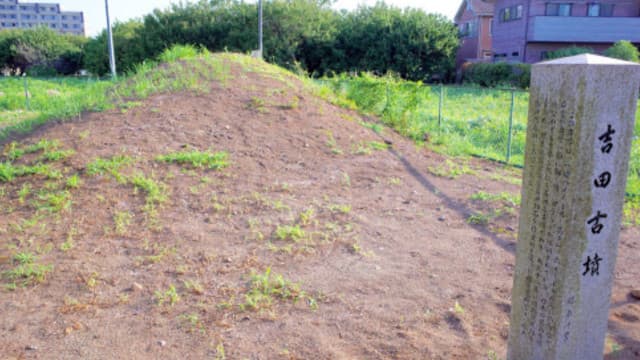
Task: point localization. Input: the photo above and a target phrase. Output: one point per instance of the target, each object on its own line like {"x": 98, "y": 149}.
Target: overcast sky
{"x": 126, "y": 9}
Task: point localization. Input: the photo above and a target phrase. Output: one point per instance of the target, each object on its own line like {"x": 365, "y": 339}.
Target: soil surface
{"x": 322, "y": 239}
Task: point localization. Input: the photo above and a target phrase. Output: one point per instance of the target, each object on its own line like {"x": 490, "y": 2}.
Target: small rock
{"x": 31, "y": 348}
{"x": 442, "y": 218}
{"x": 509, "y": 228}
{"x": 162, "y": 343}
{"x": 136, "y": 287}
{"x": 635, "y": 294}
{"x": 227, "y": 260}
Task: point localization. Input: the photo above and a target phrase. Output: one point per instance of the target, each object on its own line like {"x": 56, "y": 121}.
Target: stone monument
{"x": 581, "y": 120}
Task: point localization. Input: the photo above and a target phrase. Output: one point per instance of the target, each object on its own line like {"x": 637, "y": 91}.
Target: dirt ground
{"x": 382, "y": 252}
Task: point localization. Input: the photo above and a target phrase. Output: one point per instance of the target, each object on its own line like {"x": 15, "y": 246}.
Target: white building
{"x": 15, "y": 15}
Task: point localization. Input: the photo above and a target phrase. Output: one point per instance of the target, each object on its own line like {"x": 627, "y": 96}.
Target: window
{"x": 515, "y": 54}
{"x": 468, "y": 29}
{"x": 559, "y": 9}
{"x": 598, "y": 9}
{"x": 511, "y": 13}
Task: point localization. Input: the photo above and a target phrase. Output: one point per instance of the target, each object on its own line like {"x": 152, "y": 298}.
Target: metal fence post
{"x": 386, "y": 104}
{"x": 440, "y": 105}
{"x": 509, "y": 138}
{"x": 26, "y": 92}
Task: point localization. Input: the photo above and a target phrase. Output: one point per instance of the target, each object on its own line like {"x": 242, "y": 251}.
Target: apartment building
{"x": 19, "y": 15}
{"x": 474, "y": 20}
{"x": 525, "y": 30}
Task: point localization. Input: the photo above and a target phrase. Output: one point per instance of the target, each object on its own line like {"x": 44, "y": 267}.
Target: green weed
{"x": 512, "y": 200}
{"x": 73, "y": 182}
{"x": 110, "y": 166}
{"x": 8, "y": 171}
{"x": 27, "y": 271}
{"x": 197, "y": 159}
{"x": 339, "y": 208}
{"x": 194, "y": 287}
{"x": 25, "y": 190}
{"x": 293, "y": 233}
{"x": 122, "y": 220}
{"x": 265, "y": 288}
{"x": 169, "y": 296}
{"x": 156, "y": 192}
{"x": 57, "y": 155}
{"x": 53, "y": 202}
{"x": 257, "y": 104}
{"x": 450, "y": 169}
{"x": 332, "y": 144}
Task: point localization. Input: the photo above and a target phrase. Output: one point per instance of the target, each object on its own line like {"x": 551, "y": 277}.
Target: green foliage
{"x": 297, "y": 34}
{"x": 129, "y": 47}
{"x": 40, "y": 51}
{"x": 382, "y": 38}
{"x": 498, "y": 74}
{"x": 568, "y": 51}
{"x": 623, "y": 50}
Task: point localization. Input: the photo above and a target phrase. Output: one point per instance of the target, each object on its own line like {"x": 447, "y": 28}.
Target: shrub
{"x": 623, "y": 50}
{"x": 568, "y": 51}
{"x": 498, "y": 74}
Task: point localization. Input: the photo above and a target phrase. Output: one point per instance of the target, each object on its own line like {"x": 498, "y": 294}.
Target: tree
{"x": 411, "y": 43}
{"x": 40, "y": 51}
{"x": 379, "y": 38}
{"x": 127, "y": 44}
{"x": 623, "y": 50}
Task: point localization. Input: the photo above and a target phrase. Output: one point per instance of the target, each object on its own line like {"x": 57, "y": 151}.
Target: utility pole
{"x": 112, "y": 55}
{"x": 260, "y": 47}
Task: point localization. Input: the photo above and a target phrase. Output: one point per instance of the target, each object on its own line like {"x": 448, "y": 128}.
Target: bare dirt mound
{"x": 321, "y": 239}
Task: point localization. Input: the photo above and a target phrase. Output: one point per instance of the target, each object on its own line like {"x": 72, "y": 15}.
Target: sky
{"x": 122, "y": 10}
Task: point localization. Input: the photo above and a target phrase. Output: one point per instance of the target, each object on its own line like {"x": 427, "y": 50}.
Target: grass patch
{"x": 510, "y": 199}
{"x": 111, "y": 166}
{"x": 450, "y": 169}
{"x": 9, "y": 171}
{"x": 155, "y": 192}
{"x": 197, "y": 159}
